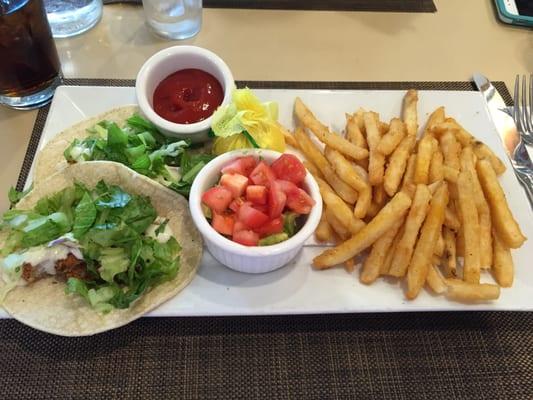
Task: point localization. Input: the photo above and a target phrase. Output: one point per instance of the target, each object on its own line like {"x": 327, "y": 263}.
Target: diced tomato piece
{"x": 257, "y": 194}
{"x": 290, "y": 168}
{"x": 300, "y": 202}
{"x": 271, "y": 227}
{"x": 246, "y": 237}
{"x": 217, "y": 198}
{"x": 262, "y": 175}
{"x": 223, "y": 223}
{"x": 239, "y": 226}
{"x": 236, "y": 204}
{"x": 251, "y": 217}
{"x": 242, "y": 165}
{"x": 287, "y": 187}
{"x": 236, "y": 183}
{"x": 276, "y": 200}
{"x": 261, "y": 207}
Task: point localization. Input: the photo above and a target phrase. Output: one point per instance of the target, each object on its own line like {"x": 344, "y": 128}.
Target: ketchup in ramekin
{"x": 187, "y": 96}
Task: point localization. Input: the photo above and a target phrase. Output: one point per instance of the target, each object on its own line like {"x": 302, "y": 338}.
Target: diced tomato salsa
{"x": 252, "y": 199}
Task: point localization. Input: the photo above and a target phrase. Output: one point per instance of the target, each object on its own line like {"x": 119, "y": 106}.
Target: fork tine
{"x": 523, "y": 110}
{"x": 530, "y": 108}
{"x": 516, "y": 105}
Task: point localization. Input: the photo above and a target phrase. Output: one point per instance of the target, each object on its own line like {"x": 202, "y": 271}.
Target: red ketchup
{"x": 187, "y": 96}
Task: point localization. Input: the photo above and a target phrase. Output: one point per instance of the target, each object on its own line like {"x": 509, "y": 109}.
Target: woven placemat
{"x": 450, "y": 85}
{"x": 465, "y": 355}
{"x": 331, "y": 5}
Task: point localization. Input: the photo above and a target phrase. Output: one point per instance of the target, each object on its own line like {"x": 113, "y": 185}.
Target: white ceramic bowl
{"x": 168, "y": 61}
{"x": 255, "y": 259}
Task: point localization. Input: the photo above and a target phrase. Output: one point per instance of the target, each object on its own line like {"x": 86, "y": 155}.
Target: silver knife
{"x": 506, "y": 128}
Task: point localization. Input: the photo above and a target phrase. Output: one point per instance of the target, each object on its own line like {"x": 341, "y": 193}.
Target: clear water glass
{"x": 173, "y": 19}
{"x": 72, "y": 17}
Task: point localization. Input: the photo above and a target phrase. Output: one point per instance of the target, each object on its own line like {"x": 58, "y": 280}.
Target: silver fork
{"x": 522, "y": 114}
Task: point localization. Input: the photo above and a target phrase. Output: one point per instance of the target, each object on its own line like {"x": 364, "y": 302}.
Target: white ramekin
{"x": 256, "y": 259}
{"x": 168, "y": 61}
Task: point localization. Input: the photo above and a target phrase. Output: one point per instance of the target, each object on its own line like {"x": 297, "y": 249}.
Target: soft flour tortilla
{"x": 45, "y": 306}
{"x": 51, "y": 159}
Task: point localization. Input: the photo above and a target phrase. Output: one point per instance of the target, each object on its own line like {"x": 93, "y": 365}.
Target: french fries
{"x": 312, "y": 153}
{"x": 471, "y": 292}
{"x": 418, "y": 268}
{"x": 323, "y": 134}
{"x": 503, "y": 267}
{"x": 414, "y": 221}
{"x": 376, "y": 160}
{"x": 426, "y": 147}
{"x": 470, "y": 224}
{"x": 506, "y": 226}
{"x": 397, "y": 165}
{"x": 409, "y": 112}
{"x": 373, "y": 264}
{"x": 381, "y": 223}
{"x": 430, "y": 211}
{"x": 393, "y": 137}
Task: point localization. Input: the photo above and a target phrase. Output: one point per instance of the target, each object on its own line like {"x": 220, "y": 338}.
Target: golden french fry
{"x": 436, "y": 172}
{"x": 349, "y": 265}
{"x": 434, "y": 119}
{"x": 353, "y": 132}
{"x": 379, "y": 196}
{"x": 387, "y": 263}
{"x": 323, "y": 231}
{"x": 503, "y": 267}
{"x": 471, "y": 292}
{"x": 344, "y": 169}
{"x": 313, "y": 170}
{"x": 413, "y": 222}
{"x": 393, "y": 137}
{"x": 409, "y": 112}
{"x": 376, "y": 160}
{"x": 336, "y": 205}
{"x": 313, "y": 154}
{"x": 450, "y": 218}
{"x": 408, "y": 176}
{"x": 449, "y": 124}
{"x": 363, "y": 203}
{"x": 483, "y": 151}
{"x": 483, "y": 210}
{"x": 450, "y": 149}
{"x": 289, "y": 138}
{"x": 502, "y": 218}
{"x": 449, "y": 252}
{"x": 324, "y": 135}
{"x": 418, "y": 268}
{"x": 397, "y": 164}
{"x": 382, "y": 222}
{"x": 439, "y": 246}
{"x": 426, "y": 147}
{"x": 358, "y": 117}
{"x": 450, "y": 174}
{"x": 338, "y": 227}
{"x": 383, "y": 127}
{"x": 470, "y": 224}
{"x": 435, "y": 280}
{"x": 361, "y": 172}
{"x": 374, "y": 262}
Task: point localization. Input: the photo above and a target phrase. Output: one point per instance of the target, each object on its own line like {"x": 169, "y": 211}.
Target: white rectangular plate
{"x": 297, "y": 288}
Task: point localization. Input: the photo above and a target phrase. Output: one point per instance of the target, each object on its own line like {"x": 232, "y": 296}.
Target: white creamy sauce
{"x": 162, "y": 237}
{"x": 42, "y": 258}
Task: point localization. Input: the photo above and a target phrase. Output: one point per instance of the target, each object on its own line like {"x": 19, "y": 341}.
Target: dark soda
{"x": 28, "y": 57}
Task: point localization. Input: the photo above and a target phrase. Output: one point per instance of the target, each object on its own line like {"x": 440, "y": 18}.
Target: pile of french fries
{"x": 417, "y": 205}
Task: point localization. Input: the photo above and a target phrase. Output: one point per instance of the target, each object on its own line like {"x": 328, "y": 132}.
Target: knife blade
{"x": 509, "y": 135}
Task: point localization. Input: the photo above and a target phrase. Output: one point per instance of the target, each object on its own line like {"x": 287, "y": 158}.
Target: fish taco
{"x": 94, "y": 247}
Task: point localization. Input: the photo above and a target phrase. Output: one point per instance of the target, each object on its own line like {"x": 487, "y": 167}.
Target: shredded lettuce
{"x": 142, "y": 148}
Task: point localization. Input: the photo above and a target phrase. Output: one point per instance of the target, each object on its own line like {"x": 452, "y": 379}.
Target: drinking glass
{"x": 72, "y": 17}
{"x": 173, "y": 19}
{"x": 29, "y": 64}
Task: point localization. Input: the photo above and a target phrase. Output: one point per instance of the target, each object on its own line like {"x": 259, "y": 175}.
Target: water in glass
{"x": 174, "y": 19}
{"x": 72, "y": 17}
